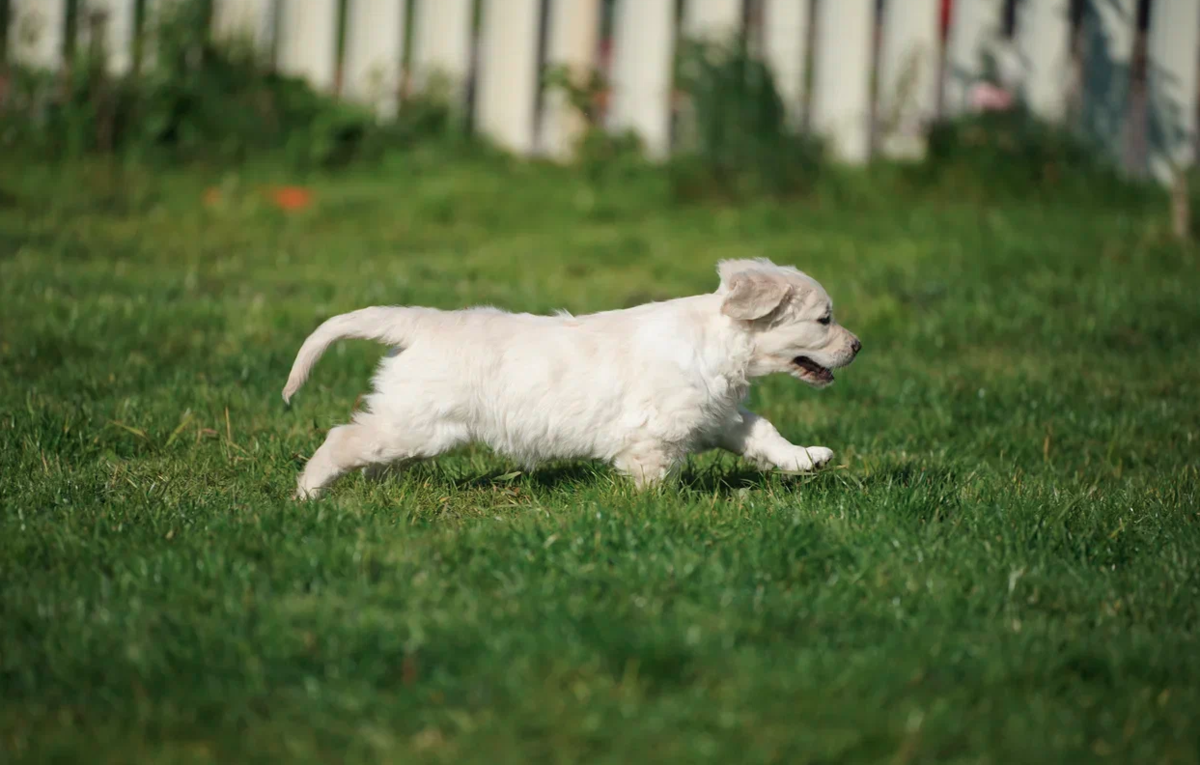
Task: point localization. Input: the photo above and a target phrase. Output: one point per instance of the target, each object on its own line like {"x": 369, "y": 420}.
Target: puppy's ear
{"x": 753, "y": 295}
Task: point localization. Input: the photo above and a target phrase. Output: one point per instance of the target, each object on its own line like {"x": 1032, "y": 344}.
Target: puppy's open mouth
{"x": 812, "y": 372}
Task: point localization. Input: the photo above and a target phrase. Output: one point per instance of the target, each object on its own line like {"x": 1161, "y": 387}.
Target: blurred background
{"x": 735, "y": 91}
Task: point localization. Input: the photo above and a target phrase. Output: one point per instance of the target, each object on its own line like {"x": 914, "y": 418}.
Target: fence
{"x": 870, "y": 75}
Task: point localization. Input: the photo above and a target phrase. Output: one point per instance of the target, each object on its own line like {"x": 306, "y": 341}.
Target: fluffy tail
{"x": 394, "y": 326}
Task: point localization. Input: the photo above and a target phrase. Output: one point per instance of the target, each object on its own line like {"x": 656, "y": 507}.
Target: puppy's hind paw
{"x": 302, "y": 494}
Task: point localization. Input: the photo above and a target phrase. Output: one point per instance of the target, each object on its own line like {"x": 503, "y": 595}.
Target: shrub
{"x": 736, "y": 138}
{"x": 600, "y": 154}
{"x": 197, "y": 98}
{"x": 1012, "y": 152}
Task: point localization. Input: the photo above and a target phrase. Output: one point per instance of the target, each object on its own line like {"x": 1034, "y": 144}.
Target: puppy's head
{"x": 790, "y": 317}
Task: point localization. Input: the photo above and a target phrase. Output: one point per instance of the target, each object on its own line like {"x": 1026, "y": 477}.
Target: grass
{"x": 1002, "y": 566}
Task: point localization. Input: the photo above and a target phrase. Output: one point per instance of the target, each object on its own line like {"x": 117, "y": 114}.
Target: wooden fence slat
{"x": 841, "y": 100}
{"x": 974, "y": 30}
{"x": 251, "y": 20}
{"x": 117, "y": 18}
{"x": 1044, "y": 43}
{"x": 785, "y": 41}
{"x": 374, "y": 53}
{"x": 1108, "y": 37}
{"x": 442, "y": 43}
{"x": 574, "y": 35}
{"x": 716, "y": 20}
{"x": 643, "y": 51}
{"x": 508, "y": 72}
{"x": 908, "y": 85}
{"x": 1172, "y": 81}
{"x": 308, "y": 41}
{"x": 37, "y": 30}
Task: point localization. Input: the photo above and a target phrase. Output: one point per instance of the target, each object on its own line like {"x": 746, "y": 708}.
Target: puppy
{"x": 640, "y": 388}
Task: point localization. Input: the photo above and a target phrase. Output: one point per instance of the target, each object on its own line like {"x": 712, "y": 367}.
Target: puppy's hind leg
{"x": 379, "y": 471}
{"x": 372, "y": 441}
{"x": 647, "y": 465}
{"x": 346, "y": 447}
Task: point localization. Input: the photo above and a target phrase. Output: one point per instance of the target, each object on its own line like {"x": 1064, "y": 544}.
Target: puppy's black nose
{"x": 856, "y": 346}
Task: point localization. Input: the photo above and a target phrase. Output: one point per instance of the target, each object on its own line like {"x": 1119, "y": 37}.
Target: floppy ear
{"x": 753, "y": 295}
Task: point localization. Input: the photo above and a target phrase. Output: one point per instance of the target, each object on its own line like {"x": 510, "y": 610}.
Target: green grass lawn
{"x": 1002, "y": 566}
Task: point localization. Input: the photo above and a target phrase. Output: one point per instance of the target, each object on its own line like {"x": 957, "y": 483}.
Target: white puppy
{"x": 640, "y": 388}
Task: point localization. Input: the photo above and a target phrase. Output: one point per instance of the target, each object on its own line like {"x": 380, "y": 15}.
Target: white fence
{"x": 869, "y": 75}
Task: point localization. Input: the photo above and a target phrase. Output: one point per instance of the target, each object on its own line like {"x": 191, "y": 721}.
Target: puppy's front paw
{"x": 806, "y": 459}
{"x": 819, "y": 455}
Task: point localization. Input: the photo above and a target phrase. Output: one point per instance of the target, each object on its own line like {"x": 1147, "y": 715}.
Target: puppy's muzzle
{"x": 818, "y": 375}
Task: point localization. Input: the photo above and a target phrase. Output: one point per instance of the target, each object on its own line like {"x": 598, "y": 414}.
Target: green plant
{"x": 201, "y": 98}
{"x": 899, "y": 109}
{"x": 583, "y": 94}
{"x": 1012, "y": 152}
{"x": 736, "y": 140}
{"x": 71, "y": 112}
{"x": 599, "y": 153}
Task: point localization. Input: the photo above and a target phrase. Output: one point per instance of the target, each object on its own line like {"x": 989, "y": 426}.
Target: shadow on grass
{"x": 720, "y": 479}
{"x": 548, "y": 478}
{"x": 910, "y": 475}
{"x": 724, "y": 482}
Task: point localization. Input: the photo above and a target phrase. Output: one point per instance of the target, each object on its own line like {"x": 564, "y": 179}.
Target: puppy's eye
{"x": 824, "y": 319}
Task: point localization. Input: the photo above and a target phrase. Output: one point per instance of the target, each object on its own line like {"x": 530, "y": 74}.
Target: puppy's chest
{"x": 694, "y": 411}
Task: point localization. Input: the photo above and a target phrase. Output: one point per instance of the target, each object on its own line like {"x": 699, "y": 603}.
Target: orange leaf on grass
{"x": 291, "y": 197}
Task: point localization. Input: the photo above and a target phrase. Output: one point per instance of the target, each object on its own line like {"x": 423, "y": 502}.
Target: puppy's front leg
{"x": 756, "y": 439}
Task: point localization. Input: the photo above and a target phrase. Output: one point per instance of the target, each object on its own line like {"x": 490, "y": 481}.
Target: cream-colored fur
{"x": 639, "y": 388}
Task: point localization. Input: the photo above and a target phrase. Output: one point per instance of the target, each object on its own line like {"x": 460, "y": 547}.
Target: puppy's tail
{"x": 387, "y": 324}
